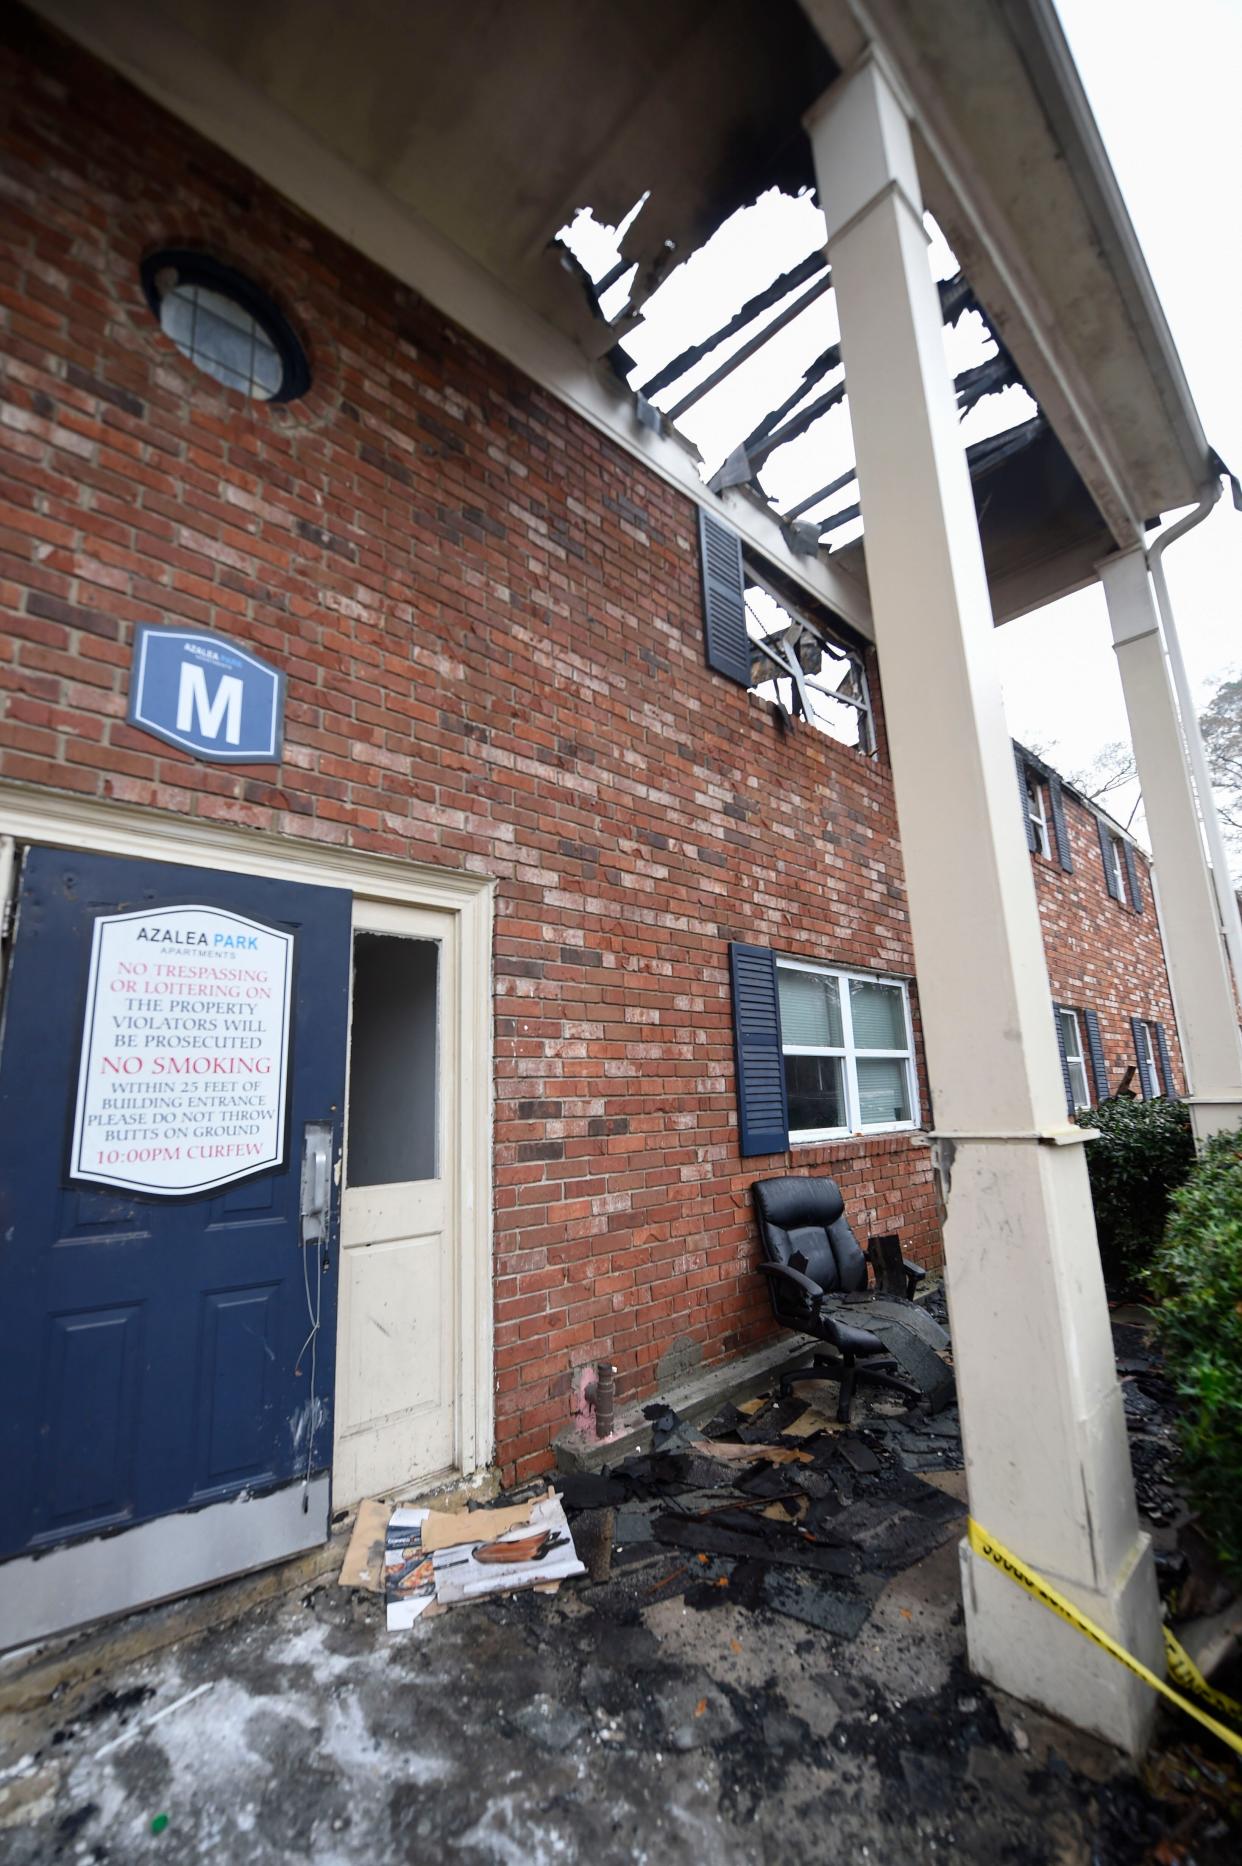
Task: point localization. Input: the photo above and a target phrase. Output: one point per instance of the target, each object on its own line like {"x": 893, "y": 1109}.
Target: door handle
{"x": 316, "y": 1207}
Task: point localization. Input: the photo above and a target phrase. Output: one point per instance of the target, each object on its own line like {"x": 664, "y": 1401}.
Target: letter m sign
{"x": 205, "y": 694}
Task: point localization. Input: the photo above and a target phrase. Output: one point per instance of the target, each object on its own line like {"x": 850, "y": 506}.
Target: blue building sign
{"x": 205, "y": 694}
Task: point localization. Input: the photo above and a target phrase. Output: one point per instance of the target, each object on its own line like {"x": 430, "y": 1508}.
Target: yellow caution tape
{"x": 1184, "y": 1671}
{"x": 1181, "y": 1666}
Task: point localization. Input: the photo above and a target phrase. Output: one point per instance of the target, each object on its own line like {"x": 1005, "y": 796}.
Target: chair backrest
{"x": 804, "y": 1218}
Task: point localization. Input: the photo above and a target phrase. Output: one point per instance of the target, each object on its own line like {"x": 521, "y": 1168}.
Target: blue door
{"x": 168, "y": 1317}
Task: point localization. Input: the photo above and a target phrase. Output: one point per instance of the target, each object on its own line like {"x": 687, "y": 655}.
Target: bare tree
{"x": 1221, "y": 726}
{"x": 1112, "y": 770}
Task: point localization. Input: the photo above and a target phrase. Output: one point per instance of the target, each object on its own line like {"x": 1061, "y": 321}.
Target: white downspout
{"x": 1227, "y": 905}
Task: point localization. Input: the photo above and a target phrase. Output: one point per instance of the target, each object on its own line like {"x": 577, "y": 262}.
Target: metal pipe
{"x": 605, "y": 1398}
{"x": 1192, "y": 738}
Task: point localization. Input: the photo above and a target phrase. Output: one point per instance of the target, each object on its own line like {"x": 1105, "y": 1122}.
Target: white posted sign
{"x": 185, "y": 1051}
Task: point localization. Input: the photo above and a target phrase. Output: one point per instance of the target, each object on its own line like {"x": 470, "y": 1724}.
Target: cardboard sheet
{"x": 447, "y": 1529}
{"x": 364, "y": 1558}
{"x": 809, "y": 1422}
{"x": 461, "y": 1575}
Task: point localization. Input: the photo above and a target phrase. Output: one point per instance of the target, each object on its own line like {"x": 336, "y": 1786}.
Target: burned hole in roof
{"x": 734, "y": 349}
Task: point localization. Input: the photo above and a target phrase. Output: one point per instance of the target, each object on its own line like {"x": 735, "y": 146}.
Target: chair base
{"x": 875, "y": 1371}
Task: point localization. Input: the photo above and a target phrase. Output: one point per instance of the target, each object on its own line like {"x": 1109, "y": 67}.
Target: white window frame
{"x": 1075, "y": 1061}
{"x": 1120, "y": 875}
{"x": 1149, "y": 1038}
{"x": 1036, "y": 812}
{"x": 787, "y": 678}
{"x": 850, "y": 1055}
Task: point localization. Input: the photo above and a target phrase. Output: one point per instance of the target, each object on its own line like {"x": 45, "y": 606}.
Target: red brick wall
{"x": 1102, "y": 956}
{"x": 490, "y": 618}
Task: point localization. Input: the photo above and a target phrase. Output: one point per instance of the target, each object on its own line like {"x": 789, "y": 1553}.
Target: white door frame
{"x": 31, "y": 815}
{"x": 377, "y": 1457}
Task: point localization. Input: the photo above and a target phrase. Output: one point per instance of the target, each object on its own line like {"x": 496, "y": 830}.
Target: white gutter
{"x": 1226, "y": 901}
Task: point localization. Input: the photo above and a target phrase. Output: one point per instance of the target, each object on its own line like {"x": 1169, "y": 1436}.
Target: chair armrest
{"x": 914, "y": 1276}
{"x": 789, "y": 1275}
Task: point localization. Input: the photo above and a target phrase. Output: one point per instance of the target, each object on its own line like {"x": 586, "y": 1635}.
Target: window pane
{"x": 1037, "y": 814}
{"x": 810, "y": 1010}
{"x": 1078, "y": 1083}
{"x": 1069, "y": 1036}
{"x": 816, "y": 1092}
{"x": 882, "y": 1095}
{"x": 392, "y": 1061}
{"x": 222, "y": 338}
{"x": 878, "y": 1014}
{"x": 1148, "y": 1081}
{"x": 177, "y": 310}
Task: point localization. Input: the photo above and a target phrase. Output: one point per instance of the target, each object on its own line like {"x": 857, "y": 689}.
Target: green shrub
{"x": 1197, "y": 1278}
{"x": 1144, "y": 1151}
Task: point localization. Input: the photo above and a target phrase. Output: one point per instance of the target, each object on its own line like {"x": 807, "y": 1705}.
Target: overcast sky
{"x": 1162, "y": 80}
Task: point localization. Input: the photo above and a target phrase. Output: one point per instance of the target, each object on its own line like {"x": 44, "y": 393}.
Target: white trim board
{"x": 181, "y": 75}
{"x": 29, "y": 815}
{"x": 32, "y": 813}
{"x": 61, "y": 1588}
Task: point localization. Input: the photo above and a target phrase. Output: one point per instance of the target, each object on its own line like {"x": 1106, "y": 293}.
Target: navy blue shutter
{"x": 1058, "y": 823}
{"x": 1095, "y": 1049}
{"x": 763, "y": 1111}
{"x": 1146, "y": 1075}
{"x": 1065, "y": 1074}
{"x": 1166, "y": 1062}
{"x": 1106, "y": 856}
{"x": 724, "y": 600}
{"x": 1020, "y": 762}
{"x": 1136, "y": 899}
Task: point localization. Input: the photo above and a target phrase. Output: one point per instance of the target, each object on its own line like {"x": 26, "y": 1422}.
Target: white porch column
{"x": 1207, "y": 1017}
{"x": 1047, "y": 1460}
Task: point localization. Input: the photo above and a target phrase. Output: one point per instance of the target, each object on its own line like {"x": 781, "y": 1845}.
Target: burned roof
{"x": 493, "y": 123}
{"x": 463, "y": 130}
{"x": 1037, "y": 520}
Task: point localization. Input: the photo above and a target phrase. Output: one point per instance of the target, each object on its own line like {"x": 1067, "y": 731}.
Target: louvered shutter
{"x": 724, "y": 600}
{"x": 763, "y": 1112}
{"x": 1166, "y": 1062}
{"x": 1095, "y": 1049}
{"x": 1020, "y": 763}
{"x": 1059, "y": 828}
{"x": 1065, "y": 1074}
{"x": 1142, "y": 1057}
{"x": 1106, "y": 856}
{"x": 1136, "y": 898}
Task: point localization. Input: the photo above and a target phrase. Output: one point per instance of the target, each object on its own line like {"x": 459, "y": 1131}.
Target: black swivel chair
{"x": 813, "y": 1263}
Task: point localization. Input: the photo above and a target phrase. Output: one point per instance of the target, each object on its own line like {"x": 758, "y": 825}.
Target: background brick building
{"x": 1099, "y": 915}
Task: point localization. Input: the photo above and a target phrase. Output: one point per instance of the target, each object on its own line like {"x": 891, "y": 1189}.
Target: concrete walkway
{"x": 602, "y": 1725}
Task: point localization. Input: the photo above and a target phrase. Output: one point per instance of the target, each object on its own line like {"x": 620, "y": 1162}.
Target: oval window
{"x": 225, "y": 326}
